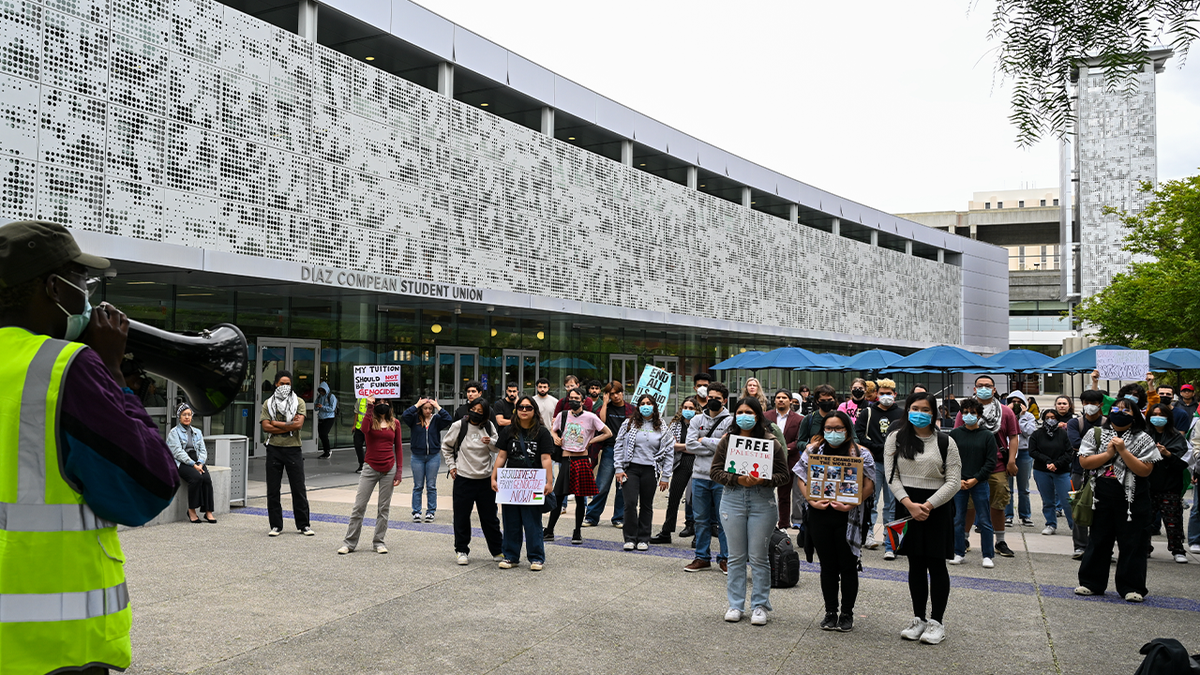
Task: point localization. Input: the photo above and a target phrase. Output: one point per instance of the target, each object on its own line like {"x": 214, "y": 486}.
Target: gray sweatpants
{"x": 366, "y": 485}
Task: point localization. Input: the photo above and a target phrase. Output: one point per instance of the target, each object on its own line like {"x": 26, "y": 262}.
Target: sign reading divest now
{"x": 331, "y": 276}
{"x": 1123, "y": 364}
{"x": 378, "y": 381}
{"x": 657, "y": 383}
{"x": 521, "y": 486}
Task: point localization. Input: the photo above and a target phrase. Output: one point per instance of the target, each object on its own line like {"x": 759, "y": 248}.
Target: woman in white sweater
{"x": 922, "y": 467}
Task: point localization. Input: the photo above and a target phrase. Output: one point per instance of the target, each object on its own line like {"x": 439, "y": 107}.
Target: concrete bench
{"x": 177, "y": 510}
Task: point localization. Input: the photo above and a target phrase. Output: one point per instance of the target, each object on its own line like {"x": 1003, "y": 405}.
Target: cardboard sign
{"x": 378, "y": 381}
{"x": 835, "y": 478}
{"x": 752, "y": 457}
{"x": 1123, "y": 364}
{"x": 521, "y": 486}
{"x": 657, "y": 383}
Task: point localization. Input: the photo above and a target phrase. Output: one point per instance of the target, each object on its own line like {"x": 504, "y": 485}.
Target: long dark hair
{"x": 637, "y": 420}
{"x": 1134, "y": 411}
{"x": 908, "y": 445}
{"x": 849, "y": 443}
{"x": 1169, "y": 430}
{"x": 759, "y": 430}
{"x": 537, "y": 418}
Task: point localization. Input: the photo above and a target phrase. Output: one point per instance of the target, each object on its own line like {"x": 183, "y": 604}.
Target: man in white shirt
{"x": 545, "y": 402}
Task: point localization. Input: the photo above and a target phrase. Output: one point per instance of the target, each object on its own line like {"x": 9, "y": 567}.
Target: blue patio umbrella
{"x": 1084, "y": 361}
{"x": 733, "y": 361}
{"x": 569, "y": 363}
{"x": 1019, "y": 361}
{"x": 790, "y": 358}
{"x": 835, "y": 361}
{"x": 872, "y": 359}
{"x": 939, "y": 359}
{"x": 1181, "y": 357}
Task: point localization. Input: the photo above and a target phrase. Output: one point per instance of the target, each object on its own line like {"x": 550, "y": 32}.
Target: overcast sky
{"x": 890, "y": 104}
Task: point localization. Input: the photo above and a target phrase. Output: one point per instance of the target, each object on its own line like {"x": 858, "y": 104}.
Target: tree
{"x": 1043, "y": 41}
{"x": 1155, "y": 305}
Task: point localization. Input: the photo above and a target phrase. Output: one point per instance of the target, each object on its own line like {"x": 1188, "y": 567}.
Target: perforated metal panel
{"x": 189, "y": 122}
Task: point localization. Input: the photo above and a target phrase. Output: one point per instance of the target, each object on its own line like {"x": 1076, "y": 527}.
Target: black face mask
{"x": 827, "y": 406}
{"x": 1166, "y": 399}
{"x": 1120, "y": 418}
{"x": 857, "y": 393}
{"x": 475, "y": 418}
{"x": 575, "y": 405}
{"x": 383, "y": 410}
{"x": 795, "y": 407}
{"x": 714, "y": 404}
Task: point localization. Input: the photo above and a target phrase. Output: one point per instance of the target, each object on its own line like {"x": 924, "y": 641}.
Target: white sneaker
{"x": 275, "y": 531}
{"x": 988, "y": 564}
{"x": 1181, "y": 558}
{"x": 307, "y": 531}
{"x": 507, "y": 565}
{"x": 643, "y": 546}
{"x": 429, "y": 517}
{"x": 381, "y": 549}
{"x": 535, "y": 567}
{"x": 890, "y": 555}
{"x": 1050, "y": 530}
{"x": 416, "y": 517}
{"x": 758, "y": 617}
{"x": 1133, "y": 597}
{"x": 1194, "y": 548}
{"x": 629, "y": 545}
{"x": 733, "y": 615}
{"x": 934, "y": 633}
{"x": 461, "y": 559}
{"x": 343, "y": 550}
{"x": 1083, "y": 590}
{"x": 870, "y": 544}
{"x": 915, "y": 629}
{"x": 956, "y": 560}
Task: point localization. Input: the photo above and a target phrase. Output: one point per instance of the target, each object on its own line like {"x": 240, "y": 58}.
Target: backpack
{"x": 1081, "y": 503}
{"x": 489, "y": 429}
{"x": 1166, "y": 656}
{"x": 785, "y": 561}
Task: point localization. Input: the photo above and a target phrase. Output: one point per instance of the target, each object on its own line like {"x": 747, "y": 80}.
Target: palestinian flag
{"x": 895, "y": 532}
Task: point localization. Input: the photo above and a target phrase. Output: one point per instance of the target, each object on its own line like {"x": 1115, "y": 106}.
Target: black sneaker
{"x": 1003, "y": 549}
{"x": 715, "y": 529}
{"x": 547, "y": 534}
{"x": 576, "y": 537}
{"x": 693, "y": 542}
{"x": 687, "y": 531}
{"x": 661, "y": 538}
{"x": 845, "y": 623}
{"x": 830, "y": 622}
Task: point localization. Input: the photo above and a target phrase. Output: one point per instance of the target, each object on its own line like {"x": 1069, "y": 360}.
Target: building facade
{"x": 366, "y": 182}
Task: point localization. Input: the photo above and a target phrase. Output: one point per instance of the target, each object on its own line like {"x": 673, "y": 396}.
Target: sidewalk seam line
{"x": 1037, "y": 587}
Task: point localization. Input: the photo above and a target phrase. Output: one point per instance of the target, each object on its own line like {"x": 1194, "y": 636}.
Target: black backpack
{"x": 1166, "y": 656}
{"x": 785, "y": 561}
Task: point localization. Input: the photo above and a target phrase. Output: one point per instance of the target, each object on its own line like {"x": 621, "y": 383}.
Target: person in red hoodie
{"x": 384, "y": 466}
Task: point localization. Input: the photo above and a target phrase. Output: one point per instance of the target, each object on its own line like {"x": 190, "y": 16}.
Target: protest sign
{"x": 1123, "y": 364}
{"x": 752, "y": 457}
{"x": 378, "y": 381}
{"x": 524, "y": 487}
{"x": 657, "y": 383}
{"x": 835, "y": 478}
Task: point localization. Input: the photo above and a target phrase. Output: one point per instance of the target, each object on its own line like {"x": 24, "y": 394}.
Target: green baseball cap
{"x": 30, "y": 248}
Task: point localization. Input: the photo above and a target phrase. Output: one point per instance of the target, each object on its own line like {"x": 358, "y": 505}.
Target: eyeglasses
{"x": 90, "y": 285}
{"x": 837, "y": 429}
{"x": 524, "y": 408}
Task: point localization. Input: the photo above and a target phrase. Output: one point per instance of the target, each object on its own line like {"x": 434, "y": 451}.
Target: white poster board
{"x": 377, "y": 381}
{"x": 1123, "y": 364}
{"x": 521, "y": 486}
{"x": 656, "y": 382}
{"x": 747, "y": 456}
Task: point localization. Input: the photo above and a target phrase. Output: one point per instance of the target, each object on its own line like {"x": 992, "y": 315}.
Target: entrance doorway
{"x": 521, "y": 367}
{"x": 456, "y": 366}
{"x": 623, "y": 368}
{"x": 303, "y": 359}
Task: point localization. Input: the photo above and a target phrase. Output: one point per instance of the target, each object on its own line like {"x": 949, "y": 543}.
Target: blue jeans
{"x": 888, "y": 501}
{"x": 1194, "y": 519}
{"x": 604, "y": 480}
{"x": 748, "y": 516}
{"x": 1054, "y": 488}
{"x": 526, "y": 519}
{"x": 978, "y": 496}
{"x": 425, "y": 471}
{"x": 1024, "y": 470}
{"x": 706, "y": 504}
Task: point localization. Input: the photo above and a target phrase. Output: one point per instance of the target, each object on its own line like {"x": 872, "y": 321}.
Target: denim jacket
{"x": 177, "y": 441}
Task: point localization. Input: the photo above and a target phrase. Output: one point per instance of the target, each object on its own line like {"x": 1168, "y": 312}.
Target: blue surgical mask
{"x": 984, "y": 393}
{"x": 688, "y": 414}
{"x": 835, "y": 438}
{"x": 1158, "y": 421}
{"x": 1132, "y": 398}
{"x": 646, "y": 410}
{"x": 970, "y": 420}
{"x": 745, "y": 421}
{"x": 919, "y": 420}
{"x": 76, "y": 322}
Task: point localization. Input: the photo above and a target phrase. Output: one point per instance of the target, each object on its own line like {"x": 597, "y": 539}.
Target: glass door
{"x": 456, "y": 366}
{"x": 671, "y": 365}
{"x": 521, "y": 367}
{"x": 303, "y": 359}
{"x": 623, "y": 368}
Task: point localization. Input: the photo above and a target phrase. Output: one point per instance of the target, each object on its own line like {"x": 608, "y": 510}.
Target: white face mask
{"x": 702, "y": 391}
{"x": 887, "y": 400}
{"x": 1091, "y": 409}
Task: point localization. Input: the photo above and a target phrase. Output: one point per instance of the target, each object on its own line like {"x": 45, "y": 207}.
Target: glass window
{"x": 437, "y": 328}
{"x": 999, "y": 205}
{"x": 1056, "y": 202}
{"x": 198, "y": 307}
{"x": 357, "y": 320}
{"x": 314, "y": 318}
{"x": 987, "y": 205}
{"x": 1043, "y": 202}
{"x": 261, "y": 315}
{"x": 146, "y": 301}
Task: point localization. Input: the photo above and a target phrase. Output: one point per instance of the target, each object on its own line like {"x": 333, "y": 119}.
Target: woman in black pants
{"x": 187, "y": 445}
{"x": 643, "y": 451}
{"x": 835, "y": 527}
{"x": 681, "y": 475}
{"x": 924, "y": 481}
{"x": 1118, "y": 457}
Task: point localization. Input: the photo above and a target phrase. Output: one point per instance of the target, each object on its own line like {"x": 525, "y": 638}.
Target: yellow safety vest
{"x": 63, "y": 600}
{"x": 360, "y": 414}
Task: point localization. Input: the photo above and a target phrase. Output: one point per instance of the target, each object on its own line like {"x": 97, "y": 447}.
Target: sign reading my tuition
{"x": 378, "y": 381}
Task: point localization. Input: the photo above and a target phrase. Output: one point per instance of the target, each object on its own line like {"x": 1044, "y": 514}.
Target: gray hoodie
{"x": 702, "y": 444}
{"x": 475, "y": 460}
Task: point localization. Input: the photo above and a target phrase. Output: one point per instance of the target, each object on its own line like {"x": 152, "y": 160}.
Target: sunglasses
{"x": 524, "y": 408}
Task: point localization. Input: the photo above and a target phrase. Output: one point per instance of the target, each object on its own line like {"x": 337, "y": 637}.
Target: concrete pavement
{"x": 226, "y": 598}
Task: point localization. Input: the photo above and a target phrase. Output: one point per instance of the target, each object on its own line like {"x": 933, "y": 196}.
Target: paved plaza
{"x": 228, "y": 599}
